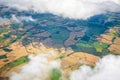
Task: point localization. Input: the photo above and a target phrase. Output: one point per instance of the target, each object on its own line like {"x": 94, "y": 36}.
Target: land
{"x": 112, "y": 38}
{"x": 74, "y": 42}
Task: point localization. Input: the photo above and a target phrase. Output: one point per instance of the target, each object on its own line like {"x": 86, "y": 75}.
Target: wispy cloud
{"x": 18, "y": 19}
{"x": 106, "y": 69}
{"x": 37, "y": 69}
{"x": 77, "y": 9}
{"x": 4, "y": 20}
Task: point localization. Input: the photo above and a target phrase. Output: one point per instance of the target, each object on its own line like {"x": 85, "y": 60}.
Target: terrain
{"x": 74, "y": 42}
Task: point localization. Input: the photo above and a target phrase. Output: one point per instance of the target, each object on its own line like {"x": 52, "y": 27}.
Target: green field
{"x": 55, "y": 74}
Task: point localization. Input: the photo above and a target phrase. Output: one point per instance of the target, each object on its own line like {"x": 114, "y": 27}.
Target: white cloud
{"x": 37, "y": 69}
{"x": 77, "y": 9}
{"x": 26, "y": 18}
{"x": 15, "y": 19}
{"x": 4, "y": 20}
{"x": 18, "y": 19}
{"x": 108, "y": 68}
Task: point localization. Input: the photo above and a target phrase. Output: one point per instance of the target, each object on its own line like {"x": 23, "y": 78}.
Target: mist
{"x": 37, "y": 69}
{"x": 76, "y": 9}
{"x": 107, "y": 68}
{"x": 19, "y": 19}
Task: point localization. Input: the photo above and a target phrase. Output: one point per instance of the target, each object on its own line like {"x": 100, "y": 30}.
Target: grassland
{"x": 55, "y": 74}
{"x": 17, "y": 62}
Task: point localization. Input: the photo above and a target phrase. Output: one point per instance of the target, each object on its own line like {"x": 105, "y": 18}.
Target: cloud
{"x": 18, "y": 19}
{"x": 15, "y": 19}
{"x": 37, "y": 69}
{"x": 26, "y": 18}
{"x": 76, "y": 9}
{"x": 4, "y": 20}
{"x": 108, "y": 68}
